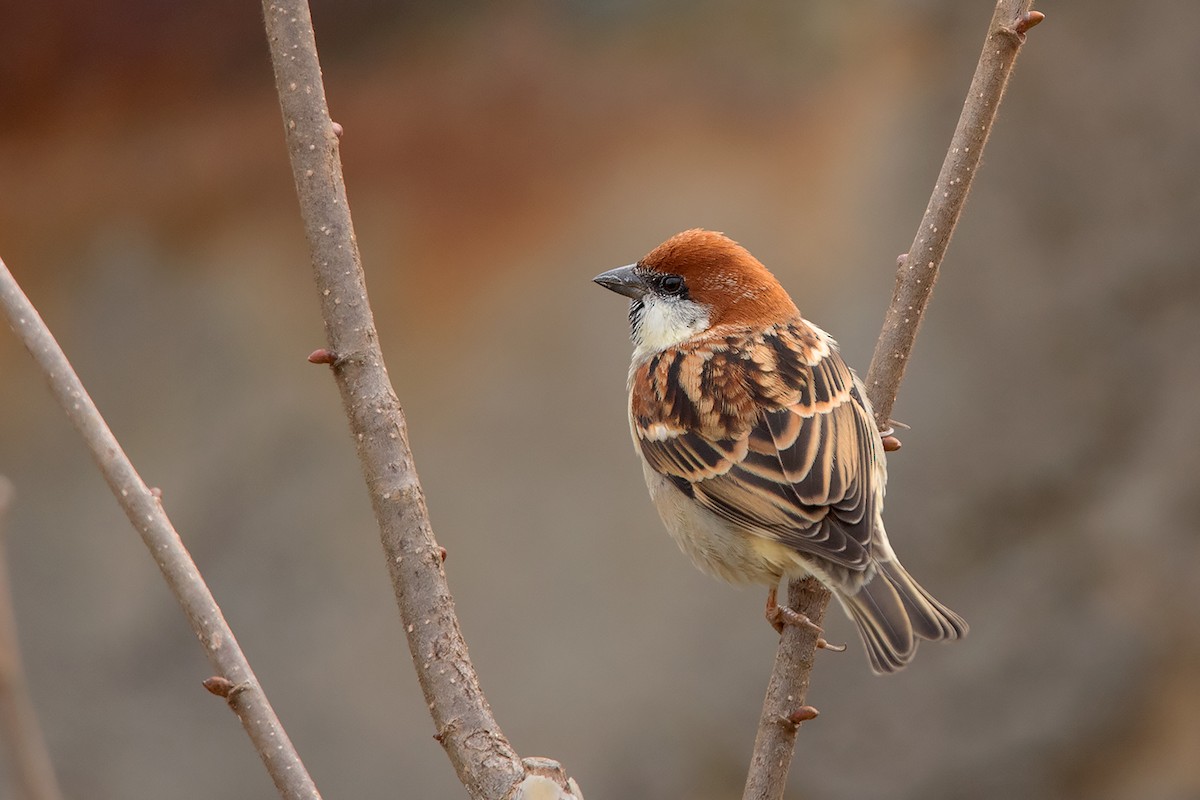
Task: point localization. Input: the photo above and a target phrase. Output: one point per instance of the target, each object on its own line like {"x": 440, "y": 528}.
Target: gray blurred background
{"x": 497, "y": 157}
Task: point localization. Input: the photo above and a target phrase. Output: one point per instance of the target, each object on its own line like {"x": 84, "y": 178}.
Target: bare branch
{"x": 918, "y": 270}
{"x": 485, "y": 762}
{"x": 915, "y": 276}
{"x": 784, "y": 708}
{"x": 33, "y": 773}
{"x": 144, "y": 508}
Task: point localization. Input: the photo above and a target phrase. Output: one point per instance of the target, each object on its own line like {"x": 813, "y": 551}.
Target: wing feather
{"x": 788, "y": 448}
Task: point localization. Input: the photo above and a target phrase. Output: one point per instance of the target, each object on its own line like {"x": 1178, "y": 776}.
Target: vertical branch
{"x": 487, "y": 765}
{"x": 236, "y": 681}
{"x": 917, "y": 271}
{"x": 33, "y": 773}
{"x": 784, "y": 706}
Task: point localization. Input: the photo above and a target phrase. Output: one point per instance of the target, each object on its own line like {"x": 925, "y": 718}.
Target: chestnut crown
{"x": 720, "y": 274}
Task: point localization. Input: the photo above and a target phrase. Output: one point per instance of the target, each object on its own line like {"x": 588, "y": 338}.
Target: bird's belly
{"x": 717, "y": 546}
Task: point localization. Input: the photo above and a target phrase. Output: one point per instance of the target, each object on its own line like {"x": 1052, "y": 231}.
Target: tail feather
{"x": 893, "y": 612}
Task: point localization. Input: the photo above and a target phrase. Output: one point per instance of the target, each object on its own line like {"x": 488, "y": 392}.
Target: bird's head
{"x": 695, "y": 281}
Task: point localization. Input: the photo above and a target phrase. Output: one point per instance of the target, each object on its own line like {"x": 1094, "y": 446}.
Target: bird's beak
{"x": 623, "y": 280}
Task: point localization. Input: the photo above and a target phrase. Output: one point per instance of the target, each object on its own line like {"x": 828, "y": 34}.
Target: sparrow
{"x": 758, "y": 443}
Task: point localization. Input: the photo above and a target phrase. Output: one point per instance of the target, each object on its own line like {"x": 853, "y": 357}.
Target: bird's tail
{"x": 893, "y": 611}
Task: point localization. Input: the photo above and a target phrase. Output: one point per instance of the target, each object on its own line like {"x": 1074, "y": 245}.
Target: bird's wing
{"x": 800, "y": 468}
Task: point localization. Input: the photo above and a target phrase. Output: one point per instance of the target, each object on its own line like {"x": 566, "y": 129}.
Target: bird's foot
{"x": 780, "y": 616}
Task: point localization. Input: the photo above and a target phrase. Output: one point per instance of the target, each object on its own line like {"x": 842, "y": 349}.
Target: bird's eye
{"x": 672, "y": 284}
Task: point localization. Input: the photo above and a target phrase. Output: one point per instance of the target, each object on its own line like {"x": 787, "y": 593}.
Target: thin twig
{"x": 33, "y": 773}
{"x": 915, "y": 276}
{"x": 918, "y": 269}
{"x": 487, "y": 765}
{"x": 145, "y": 511}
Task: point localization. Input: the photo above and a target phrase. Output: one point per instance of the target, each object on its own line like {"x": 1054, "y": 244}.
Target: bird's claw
{"x": 824, "y": 645}
{"x": 779, "y": 616}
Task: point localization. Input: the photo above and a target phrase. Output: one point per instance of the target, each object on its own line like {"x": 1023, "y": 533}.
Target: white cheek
{"x": 666, "y": 323}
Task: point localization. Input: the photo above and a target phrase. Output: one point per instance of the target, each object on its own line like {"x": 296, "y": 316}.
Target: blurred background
{"x": 497, "y": 157}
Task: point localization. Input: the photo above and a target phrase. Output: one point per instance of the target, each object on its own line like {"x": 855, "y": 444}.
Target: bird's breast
{"x": 715, "y": 545}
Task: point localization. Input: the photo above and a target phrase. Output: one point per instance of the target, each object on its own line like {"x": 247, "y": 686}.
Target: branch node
{"x": 1022, "y": 25}
{"x": 442, "y": 553}
{"x": 445, "y": 731}
{"x": 338, "y": 130}
{"x": 824, "y": 645}
{"x": 156, "y": 492}
{"x": 223, "y": 687}
{"x": 1028, "y": 20}
{"x": 323, "y": 356}
{"x": 890, "y": 444}
{"x": 801, "y": 714}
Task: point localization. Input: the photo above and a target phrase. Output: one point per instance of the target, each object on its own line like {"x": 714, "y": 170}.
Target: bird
{"x": 758, "y": 443}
